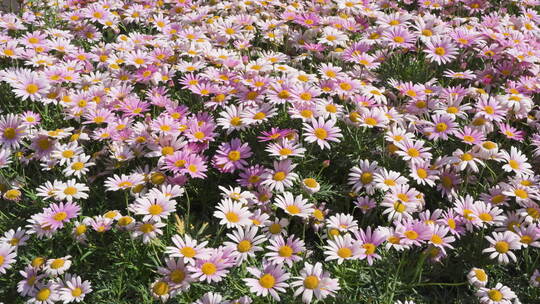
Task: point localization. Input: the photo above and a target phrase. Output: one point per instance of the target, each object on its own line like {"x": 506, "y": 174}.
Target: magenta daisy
{"x": 440, "y": 50}
{"x": 284, "y": 251}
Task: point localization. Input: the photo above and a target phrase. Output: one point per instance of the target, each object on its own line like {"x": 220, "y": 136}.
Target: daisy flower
{"x": 58, "y": 266}
{"x": 271, "y": 280}
{"x": 314, "y": 281}
{"x": 285, "y": 251}
{"x": 176, "y": 274}
{"x": 30, "y": 86}
{"x": 535, "y": 278}
{"x": 154, "y": 207}
{"x": 56, "y": 215}
{"x": 477, "y": 277}
{"x": 78, "y": 166}
{"x": 149, "y": 230}
{"x": 46, "y": 293}
{"x": 516, "y": 162}
{"x": 322, "y": 132}
{"x": 12, "y": 129}
{"x": 232, "y": 214}
{"x": 342, "y": 248}
{"x": 440, "y": 50}
{"x": 187, "y": 248}
{"x": 122, "y": 182}
{"x": 296, "y": 206}
{"x": 285, "y": 148}
{"x": 501, "y": 246}
{"x": 500, "y": 294}
{"x": 369, "y": 240}
{"x": 245, "y": 242}
{"x": 75, "y": 289}
{"x": 71, "y": 190}
{"x": 232, "y": 156}
{"x": 32, "y": 278}
{"x": 281, "y": 176}
{"x": 7, "y": 256}
{"x": 15, "y": 238}
{"x": 214, "y": 268}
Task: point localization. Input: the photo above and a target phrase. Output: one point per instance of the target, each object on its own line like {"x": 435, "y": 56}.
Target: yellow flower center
{"x": 76, "y": 292}
{"x": 177, "y": 276}
{"x": 502, "y": 247}
{"x": 70, "y": 190}
{"x": 440, "y": 51}
{"x": 234, "y": 155}
{"x": 244, "y": 246}
{"x": 275, "y": 228}
{"x": 267, "y": 281}
{"x": 480, "y": 275}
{"x": 495, "y": 295}
{"x": 279, "y": 176}
{"x": 43, "y": 294}
{"x": 321, "y": 133}
{"x": 513, "y": 164}
{"x": 311, "y": 282}
{"x": 146, "y": 228}
{"x": 441, "y": 127}
{"x": 421, "y": 172}
{"x": 369, "y": 247}
{"x": 293, "y": 209}
{"x": 366, "y": 177}
{"x": 60, "y": 216}
{"x": 232, "y": 217}
{"x": 413, "y": 152}
{"x": 285, "y": 251}
{"x": 310, "y": 182}
{"x": 161, "y": 288}
{"x": 411, "y": 234}
{"x": 399, "y": 207}
{"x": 436, "y": 239}
{"x": 344, "y": 252}
{"x": 155, "y": 209}
{"x": 208, "y": 268}
{"x": 486, "y": 217}
{"x": 77, "y": 166}
{"x": 10, "y": 133}
{"x": 188, "y": 252}
{"x": 57, "y": 263}
{"x": 32, "y": 88}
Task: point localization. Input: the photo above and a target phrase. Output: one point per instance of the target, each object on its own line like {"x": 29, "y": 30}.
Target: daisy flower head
{"x": 477, "y": 277}
{"x": 501, "y": 246}
{"x": 314, "y": 281}
{"x": 71, "y": 190}
{"x": 58, "y": 266}
{"x": 75, "y": 289}
{"x": 535, "y": 278}
{"x": 46, "y": 293}
{"x": 370, "y": 240}
{"x": 232, "y": 156}
{"x": 176, "y": 273}
{"x": 499, "y": 294}
{"x": 30, "y": 86}
{"x": 154, "y": 207}
{"x": 295, "y": 206}
{"x": 270, "y": 280}
{"x": 232, "y": 214}
{"x": 56, "y": 215}
{"x": 322, "y": 132}
{"x": 15, "y": 238}
{"x": 343, "y": 248}
{"x": 440, "y": 50}
{"x": 285, "y": 251}
{"x": 281, "y": 177}
{"x": 148, "y": 230}
{"x": 245, "y": 242}
{"x": 187, "y": 248}
{"x": 214, "y": 268}
{"x": 7, "y": 256}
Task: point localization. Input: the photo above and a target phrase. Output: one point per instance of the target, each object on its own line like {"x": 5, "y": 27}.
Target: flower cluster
{"x": 329, "y": 131}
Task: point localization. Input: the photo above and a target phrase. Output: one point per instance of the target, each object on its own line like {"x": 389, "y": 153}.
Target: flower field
{"x": 267, "y": 151}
